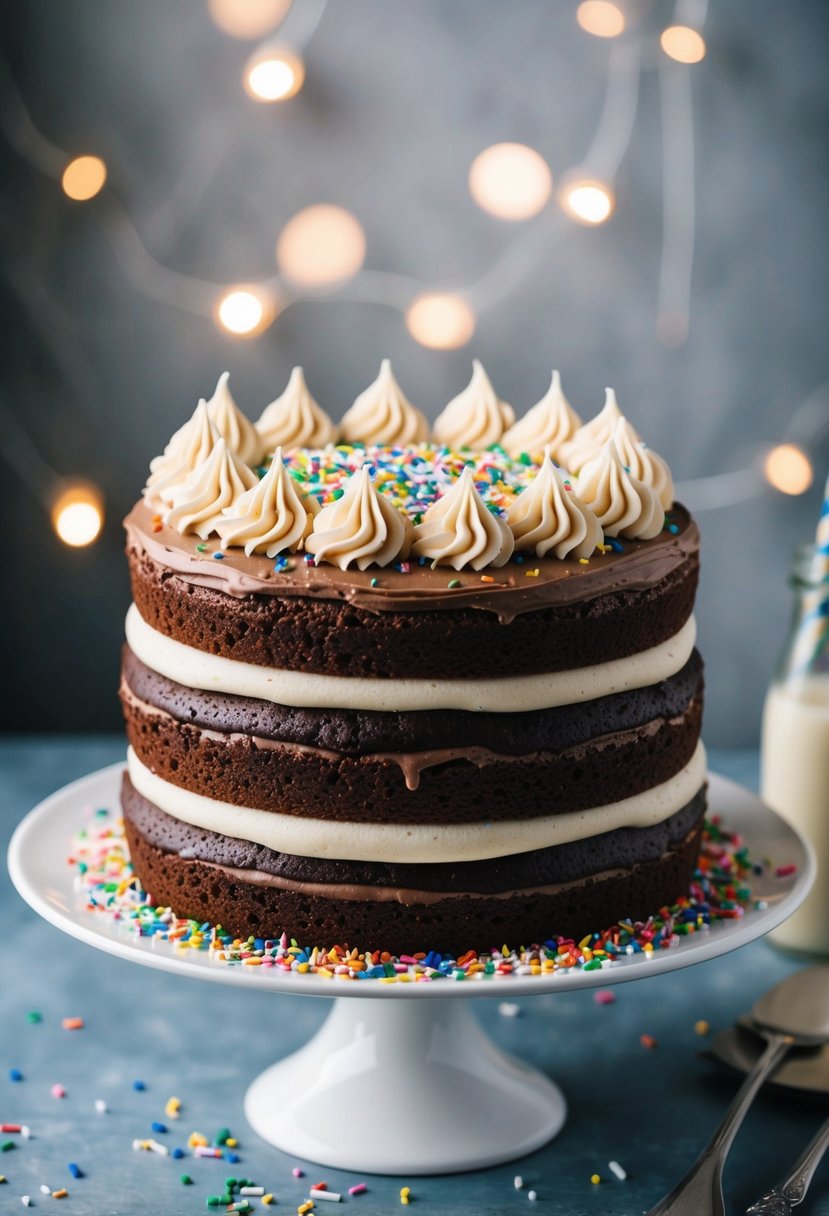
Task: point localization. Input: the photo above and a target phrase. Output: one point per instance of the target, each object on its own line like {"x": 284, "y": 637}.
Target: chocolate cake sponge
{"x": 567, "y": 890}
{"x": 448, "y": 785}
{"x": 332, "y": 636}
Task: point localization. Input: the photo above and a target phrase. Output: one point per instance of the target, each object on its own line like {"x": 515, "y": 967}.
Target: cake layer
{"x": 240, "y": 894}
{"x": 195, "y": 668}
{"x": 358, "y": 731}
{"x": 412, "y": 842}
{"x": 410, "y": 881}
{"x": 429, "y": 785}
{"x": 546, "y": 615}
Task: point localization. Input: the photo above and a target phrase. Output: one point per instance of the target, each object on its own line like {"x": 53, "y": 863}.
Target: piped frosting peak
{"x": 362, "y": 527}
{"x": 191, "y": 444}
{"x": 294, "y": 420}
{"x": 623, "y": 504}
{"x": 459, "y": 530}
{"x": 477, "y": 417}
{"x": 238, "y": 431}
{"x": 642, "y": 462}
{"x": 549, "y": 517}
{"x": 591, "y": 437}
{"x": 274, "y": 516}
{"x": 217, "y": 482}
{"x": 550, "y": 423}
{"x": 382, "y": 414}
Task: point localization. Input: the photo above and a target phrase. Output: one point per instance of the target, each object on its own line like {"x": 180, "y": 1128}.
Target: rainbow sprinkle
{"x": 410, "y": 477}
{"x": 719, "y": 891}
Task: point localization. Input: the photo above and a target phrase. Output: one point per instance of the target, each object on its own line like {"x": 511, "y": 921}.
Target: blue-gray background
{"x": 399, "y": 99}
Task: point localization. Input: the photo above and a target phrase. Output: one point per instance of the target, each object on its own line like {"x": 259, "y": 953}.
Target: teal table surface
{"x": 650, "y": 1110}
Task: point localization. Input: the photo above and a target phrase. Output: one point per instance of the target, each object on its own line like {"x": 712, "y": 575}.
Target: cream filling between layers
{"x": 416, "y": 842}
{"x": 308, "y": 690}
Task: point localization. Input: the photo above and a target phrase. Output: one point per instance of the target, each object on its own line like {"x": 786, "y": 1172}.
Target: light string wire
{"x": 189, "y": 293}
{"x": 678, "y": 188}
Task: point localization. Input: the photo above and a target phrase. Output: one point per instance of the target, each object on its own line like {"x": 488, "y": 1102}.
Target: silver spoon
{"x": 795, "y": 1013}
{"x": 781, "y": 1199}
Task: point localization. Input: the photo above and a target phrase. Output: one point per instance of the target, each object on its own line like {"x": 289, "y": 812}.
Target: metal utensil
{"x": 804, "y": 1070}
{"x": 780, "y": 1200}
{"x": 793, "y": 1013}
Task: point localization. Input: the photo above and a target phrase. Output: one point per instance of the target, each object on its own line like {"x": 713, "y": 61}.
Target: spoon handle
{"x": 797, "y": 1183}
{"x": 789, "y": 1193}
{"x": 700, "y": 1192}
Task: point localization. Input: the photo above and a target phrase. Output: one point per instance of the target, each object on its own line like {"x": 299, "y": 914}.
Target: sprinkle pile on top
{"x": 411, "y": 477}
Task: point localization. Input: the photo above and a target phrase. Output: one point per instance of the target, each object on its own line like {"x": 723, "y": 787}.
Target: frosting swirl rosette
{"x": 550, "y": 423}
{"x": 294, "y": 420}
{"x": 623, "y": 504}
{"x": 548, "y": 516}
{"x": 238, "y": 431}
{"x": 382, "y": 414}
{"x": 216, "y": 483}
{"x": 591, "y": 437}
{"x": 361, "y": 527}
{"x": 459, "y": 530}
{"x": 189, "y": 446}
{"x": 643, "y": 462}
{"x": 476, "y": 418}
{"x": 274, "y": 516}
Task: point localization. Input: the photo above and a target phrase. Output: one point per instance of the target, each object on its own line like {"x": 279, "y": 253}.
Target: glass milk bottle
{"x": 795, "y": 745}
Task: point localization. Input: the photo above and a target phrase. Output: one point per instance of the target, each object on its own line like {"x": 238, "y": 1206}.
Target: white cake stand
{"x": 436, "y": 1095}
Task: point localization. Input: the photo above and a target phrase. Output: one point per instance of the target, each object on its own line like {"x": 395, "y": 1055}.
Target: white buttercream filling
{"x": 308, "y": 690}
{"x": 424, "y": 843}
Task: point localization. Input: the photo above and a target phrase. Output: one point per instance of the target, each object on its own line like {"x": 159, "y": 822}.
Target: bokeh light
{"x": 245, "y": 312}
{"x": 601, "y": 18}
{"x": 683, "y": 44}
{"x": 321, "y": 246}
{"x": 247, "y": 18}
{"x": 274, "y": 74}
{"x": 511, "y": 181}
{"x": 78, "y": 514}
{"x": 587, "y": 201}
{"x": 440, "y": 320}
{"x": 84, "y": 177}
{"x": 789, "y": 469}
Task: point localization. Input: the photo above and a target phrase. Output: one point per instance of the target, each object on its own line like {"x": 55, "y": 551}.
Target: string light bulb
{"x": 321, "y": 246}
{"x": 788, "y": 469}
{"x": 510, "y": 181}
{"x": 78, "y": 514}
{"x": 274, "y": 74}
{"x": 247, "y": 18}
{"x": 245, "y": 311}
{"x": 83, "y": 178}
{"x": 683, "y": 44}
{"x": 600, "y": 18}
{"x": 440, "y": 320}
{"x": 587, "y": 201}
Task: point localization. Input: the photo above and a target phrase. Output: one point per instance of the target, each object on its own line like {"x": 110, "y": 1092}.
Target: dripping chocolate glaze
{"x": 642, "y": 564}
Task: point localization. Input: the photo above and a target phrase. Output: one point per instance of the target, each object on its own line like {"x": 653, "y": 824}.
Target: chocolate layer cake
{"x": 406, "y": 697}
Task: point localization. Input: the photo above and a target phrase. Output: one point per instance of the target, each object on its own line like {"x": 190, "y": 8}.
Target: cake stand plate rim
{"x": 38, "y": 869}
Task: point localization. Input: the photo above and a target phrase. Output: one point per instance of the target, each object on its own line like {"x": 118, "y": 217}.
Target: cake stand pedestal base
{"x": 404, "y": 1087}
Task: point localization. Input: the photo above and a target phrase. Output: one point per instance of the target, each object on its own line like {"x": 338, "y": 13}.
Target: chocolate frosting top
{"x": 508, "y": 591}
